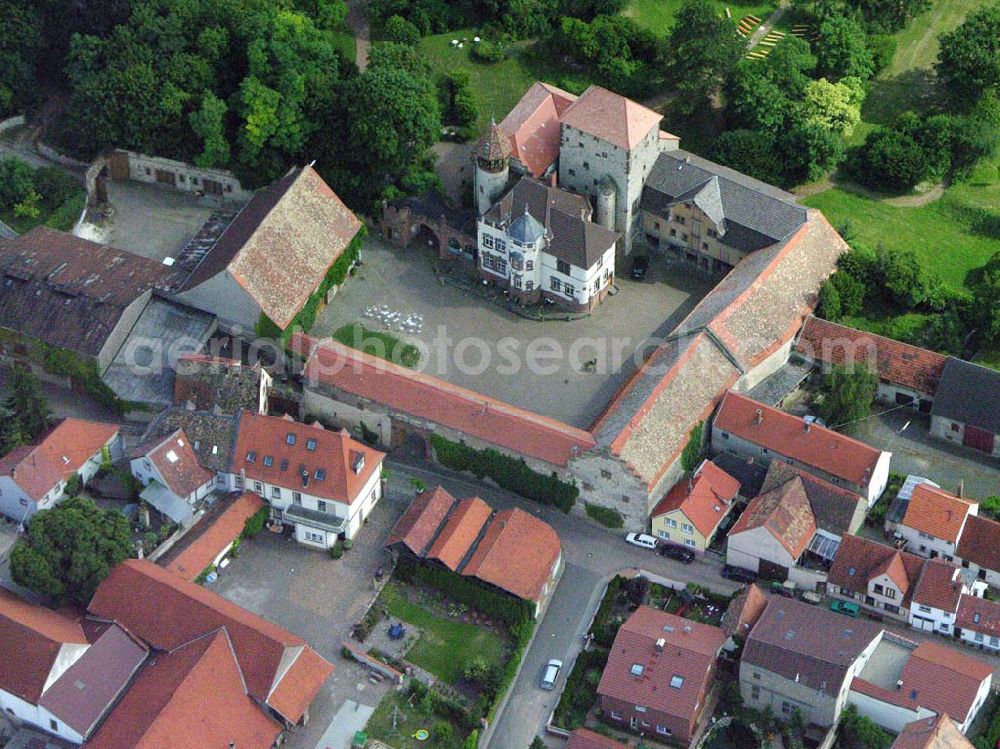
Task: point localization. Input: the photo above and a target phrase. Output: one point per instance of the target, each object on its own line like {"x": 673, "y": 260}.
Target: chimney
{"x": 660, "y": 644}
{"x": 758, "y": 417}
{"x": 805, "y": 427}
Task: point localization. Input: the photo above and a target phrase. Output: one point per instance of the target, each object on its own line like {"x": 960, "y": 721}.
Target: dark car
{"x": 679, "y": 553}
{"x": 640, "y": 266}
{"x": 738, "y": 574}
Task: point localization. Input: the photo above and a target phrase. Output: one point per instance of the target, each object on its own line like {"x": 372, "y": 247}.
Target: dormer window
{"x": 252, "y": 456}
{"x": 359, "y": 463}
{"x": 268, "y": 461}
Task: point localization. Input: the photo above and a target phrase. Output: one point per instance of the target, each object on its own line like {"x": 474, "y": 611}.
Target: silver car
{"x": 551, "y": 674}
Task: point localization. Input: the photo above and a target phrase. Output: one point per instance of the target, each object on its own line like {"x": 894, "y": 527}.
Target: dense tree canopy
{"x": 704, "y": 48}
{"x": 847, "y": 395}
{"x": 969, "y": 60}
{"x": 27, "y": 410}
{"x": 842, "y": 49}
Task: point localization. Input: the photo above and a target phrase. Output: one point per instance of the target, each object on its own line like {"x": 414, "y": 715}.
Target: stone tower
{"x": 492, "y": 153}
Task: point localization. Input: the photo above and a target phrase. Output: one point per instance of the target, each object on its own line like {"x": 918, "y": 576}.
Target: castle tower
{"x": 491, "y": 156}
{"x": 607, "y": 194}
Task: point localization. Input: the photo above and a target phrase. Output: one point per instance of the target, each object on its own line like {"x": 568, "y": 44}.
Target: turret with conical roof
{"x": 491, "y": 155}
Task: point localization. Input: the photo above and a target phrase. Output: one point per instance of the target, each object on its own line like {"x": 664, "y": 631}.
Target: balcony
{"x": 315, "y": 518}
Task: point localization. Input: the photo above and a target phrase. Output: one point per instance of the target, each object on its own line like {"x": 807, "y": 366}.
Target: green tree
{"x": 537, "y": 743}
{"x": 11, "y": 433}
{"x": 891, "y": 158}
{"x": 750, "y": 152}
{"x": 847, "y": 395}
{"x": 26, "y": 399}
{"x": 691, "y": 455}
{"x": 986, "y": 292}
{"x": 398, "y": 29}
{"x": 17, "y": 181}
{"x": 208, "y": 123}
{"x": 990, "y": 507}
{"x": 790, "y": 65}
{"x": 842, "y": 49}
{"x": 969, "y": 59}
{"x": 903, "y": 277}
{"x": 754, "y": 101}
{"x": 833, "y": 106}
{"x": 808, "y": 152}
{"x": 70, "y": 549}
{"x": 851, "y": 293}
{"x": 860, "y": 732}
{"x": 704, "y": 48}
{"x": 21, "y": 49}
{"x": 828, "y": 304}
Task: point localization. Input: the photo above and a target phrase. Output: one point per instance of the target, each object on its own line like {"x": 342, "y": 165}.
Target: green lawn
{"x": 445, "y": 645}
{"x": 409, "y": 720}
{"x": 658, "y": 15}
{"x": 382, "y": 345}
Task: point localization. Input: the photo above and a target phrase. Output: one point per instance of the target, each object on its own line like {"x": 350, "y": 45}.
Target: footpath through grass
{"x": 382, "y": 345}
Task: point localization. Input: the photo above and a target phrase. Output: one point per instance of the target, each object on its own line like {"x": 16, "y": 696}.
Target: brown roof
{"x": 460, "y": 531}
{"x": 786, "y": 435}
{"x": 494, "y": 146}
{"x": 980, "y": 542}
{"x": 979, "y": 615}
{"x": 943, "y": 679}
{"x": 836, "y": 509}
{"x": 56, "y": 455}
{"x": 689, "y": 652}
{"x": 937, "y": 732}
{"x": 212, "y": 435}
{"x": 802, "y": 643}
{"x": 936, "y": 512}
{"x": 858, "y": 560}
{"x": 185, "y": 611}
{"x": 36, "y": 634}
{"x": 217, "y": 536}
{"x": 584, "y": 738}
{"x": 282, "y": 243}
{"x": 419, "y": 524}
{"x": 177, "y": 463}
{"x": 611, "y": 117}
{"x": 334, "y": 365}
{"x": 940, "y": 585}
{"x": 785, "y": 513}
{"x": 326, "y": 471}
{"x": 533, "y": 126}
{"x": 70, "y": 292}
{"x": 705, "y": 498}
{"x": 744, "y": 611}
{"x": 516, "y": 554}
{"x": 190, "y": 698}
{"x": 208, "y": 382}
{"x": 894, "y": 361}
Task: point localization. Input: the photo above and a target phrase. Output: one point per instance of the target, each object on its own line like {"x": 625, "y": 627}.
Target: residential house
{"x": 34, "y": 477}
{"x": 897, "y": 508}
{"x": 967, "y": 406}
{"x": 908, "y": 375}
{"x": 209, "y": 383}
{"x": 507, "y": 550}
{"x": 879, "y": 578}
{"x": 936, "y": 732}
{"x": 743, "y": 612}
{"x": 211, "y": 435}
{"x": 584, "y": 738}
{"x": 276, "y": 669}
{"x": 58, "y": 673}
{"x": 798, "y": 657}
{"x": 748, "y": 471}
{"x": 321, "y": 482}
{"x": 174, "y": 480}
{"x": 692, "y": 511}
{"x": 937, "y": 593}
{"x": 979, "y": 548}
{"x": 934, "y": 521}
{"x": 273, "y": 257}
{"x": 978, "y": 622}
{"x": 659, "y": 673}
{"x": 746, "y": 427}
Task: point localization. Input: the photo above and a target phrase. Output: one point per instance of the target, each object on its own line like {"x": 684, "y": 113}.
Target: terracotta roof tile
{"x": 460, "y": 531}
{"x": 836, "y": 509}
{"x": 979, "y": 615}
{"x": 744, "y": 611}
{"x": 937, "y": 732}
{"x": 786, "y": 436}
{"x": 533, "y": 126}
{"x": 419, "y": 524}
{"x": 897, "y": 362}
{"x": 869, "y": 559}
{"x": 980, "y": 542}
{"x": 705, "y": 499}
{"x": 177, "y": 463}
{"x": 937, "y": 513}
{"x": 611, "y": 117}
{"x": 216, "y": 537}
{"x": 940, "y": 585}
{"x": 584, "y": 738}
{"x": 944, "y": 679}
{"x": 209, "y": 382}
{"x": 292, "y": 695}
{"x": 785, "y": 513}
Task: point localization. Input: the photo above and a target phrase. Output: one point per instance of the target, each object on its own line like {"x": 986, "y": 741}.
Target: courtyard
{"x": 474, "y": 343}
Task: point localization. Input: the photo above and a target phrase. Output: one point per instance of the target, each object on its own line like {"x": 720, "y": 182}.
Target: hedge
{"x": 255, "y": 523}
{"x": 579, "y": 694}
{"x": 604, "y": 629}
{"x": 509, "y": 473}
{"x": 606, "y": 516}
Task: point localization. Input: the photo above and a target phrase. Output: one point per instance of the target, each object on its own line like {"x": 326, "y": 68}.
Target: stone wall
{"x": 186, "y": 177}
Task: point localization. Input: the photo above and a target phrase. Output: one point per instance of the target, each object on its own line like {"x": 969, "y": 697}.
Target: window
{"x": 637, "y": 669}
{"x": 239, "y": 482}
{"x": 954, "y": 427}
{"x": 890, "y": 593}
{"x": 878, "y": 590}
{"x": 891, "y": 608}
{"x": 500, "y": 245}
{"x": 321, "y": 505}
{"x": 656, "y": 225}
{"x": 665, "y": 730}
{"x": 755, "y": 692}
{"x": 994, "y": 642}
{"x": 756, "y": 675}
{"x": 713, "y": 233}
{"x": 311, "y": 445}
{"x": 290, "y": 438}
{"x": 684, "y": 237}
{"x": 517, "y": 264}
{"x": 563, "y": 267}
{"x": 258, "y": 487}
{"x": 529, "y": 285}
{"x": 676, "y": 682}
{"x": 501, "y": 265}
{"x": 268, "y": 460}
{"x": 488, "y": 241}
{"x": 975, "y": 617}
{"x": 687, "y": 528}
{"x": 252, "y": 456}
{"x": 704, "y": 245}
{"x": 320, "y": 474}
{"x": 314, "y": 537}
{"x": 54, "y": 725}
{"x": 979, "y": 637}
{"x": 605, "y": 474}
{"x": 663, "y": 534}
{"x": 786, "y": 708}
{"x": 555, "y": 284}
{"x": 673, "y": 232}
{"x": 671, "y": 523}
{"x": 586, "y": 165}
{"x": 517, "y": 281}
{"x": 275, "y": 492}
{"x": 147, "y": 464}
{"x": 925, "y": 609}
{"x": 615, "y": 715}
{"x": 640, "y": 709}
{"x": 297, "y": 498}
{"x": 689, "y": 542}
{"x": 679, "y": 220}
{"x": 284, "y": 464}
{"x": 569, "y": 290}
{"x": 529, "y": 264}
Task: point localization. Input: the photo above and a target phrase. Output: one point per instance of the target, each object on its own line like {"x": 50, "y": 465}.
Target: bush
{"x": 72, "y": 487}
{"x": 336, "y": 551}
{"x": 580, "y": 692}
{"x": 443, "y": 732}
{"x": 255, "y": 523}
{"x": 398, "y": 29}
{"x": 828, "y": 304}
{"x": 488, "y": 51}
{"x": 692, "y": 454}
{"x": 606, "y": 516}
{"x": 883, "y": 48}
{"x": 347, "y": 544}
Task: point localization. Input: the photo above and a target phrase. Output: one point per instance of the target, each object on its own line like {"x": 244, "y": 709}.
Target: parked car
{"x": 550, "y": 674}
{"x": 641, "y": 539}
{"x": 846, "y": 607}
{"x": 640, "y": 267}
{"x": 738, "y": 574}
{"x": 810, "y": 597}
{"x": 680, "y": 553}
{"x": 786, "y": 589}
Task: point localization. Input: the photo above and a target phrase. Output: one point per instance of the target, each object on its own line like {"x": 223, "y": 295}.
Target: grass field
{"x": 382, "y": 345}
{"x": 408, "y": 720}
{"x": 445, "y": 646}
{"x": 658, "y": 15}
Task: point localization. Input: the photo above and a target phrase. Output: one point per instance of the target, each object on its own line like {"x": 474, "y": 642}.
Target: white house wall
{"x": 885, "y": 714}
{"x": 222, "y": 296}
{"x": 746, "y": 549}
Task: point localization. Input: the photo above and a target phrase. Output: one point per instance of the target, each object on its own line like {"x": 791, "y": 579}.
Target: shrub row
{"x": 604, "y": 627}
{"x": 509, "y": 473}
{"x": 580, "y": 692}
{"x": 255, "y": 523}
{"x": 606, "y": 516}
{"x": 445, "y": 705}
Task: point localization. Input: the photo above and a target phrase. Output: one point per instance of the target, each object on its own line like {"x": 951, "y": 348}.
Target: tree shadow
{"x": 917, "y": 89}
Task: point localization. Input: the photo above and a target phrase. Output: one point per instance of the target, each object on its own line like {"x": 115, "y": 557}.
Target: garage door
{"x": 979, "y": 439}
{"x": 925, "y": 624}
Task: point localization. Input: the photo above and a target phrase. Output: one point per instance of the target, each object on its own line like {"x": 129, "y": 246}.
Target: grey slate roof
{"x": 526, "y": 228}
{"x": 748, "y": 471}
{"x": 752, "y": 213}
{"x": 969, "y": 393}
{"x": 167, "y": 502}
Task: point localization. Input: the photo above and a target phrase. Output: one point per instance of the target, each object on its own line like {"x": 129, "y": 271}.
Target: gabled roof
{"x": 419, "y": 524}
{"x": 688, "y": 654}
{"x": 185, "y": 611}
{"x": 177, "y": 463}
{"x": 611, "y": 117}
{"x": 332, "y": 364}
{"x": 744, "y": 610}
{"x": 212, "y": 435}
{"x": 894, "y": 361}
{"x": 940, "y": 585}
{"x": 785, "y": 513}
{"x": 970, "y": 394}
{"x": 584, "y": 738}
{"x": 833, "y": 507}
{"x": 859, "y": 560}
{"x": 979, "y": 615}
{"x": 281, "y": 244}
{"x": 302, "y": 457}
{"x": 533, "y": 126}
{"x": 209, "y": 382}
{"x": 937, "y": 732}
{"x": 460, "y": 531}
{"x": 56, "y": 455}
{"x": 789, "y": 436}
{"x": 189, "y": 698}
{"x": 937, "y": 513}
{"x": 705, "y": 498}
{"x": 211, "y": 537}
{"x": 980, "y": 542}
{"x": 37, "y": 635}
{"x": 943, "y": 679}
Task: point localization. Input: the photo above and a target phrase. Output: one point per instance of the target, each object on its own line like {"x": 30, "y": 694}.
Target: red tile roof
{"x": 744, "y": 611}
{"x": 940, "y": 585}
{"x": 335, "y": 453}
{"x": 174, "y": 458}
{"x": 185, "y": 611}
{"x": 584, "y": 738}
{"x": 516, "y": 554}
{"x": 944, "y": 679}
{"x": 334, "y": 365}
{"x": 899, "y": 363}
{"x": 190, "y": 698}
{"x": 533, "y": 126}
{"x": 611, "y": 117}
{"x": 869, "y": 559}
{"x": 460, "y": 532}
{"x": 421, "y": 520}
{"x": 705, "y": 498}
{"x": 36, "y": 634}
{"x": 785, "y": 435}
{"x": 785, "y": 513}
{"x": 689, "y": 652}
{"x": 936, "y": 512}
{"x": 979, "y": 615}
{"x": 937, "y": 732}
{"x": 980, "y": 542}
{"x": 215, "y": 538}
{"x": 56, "y": 456}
